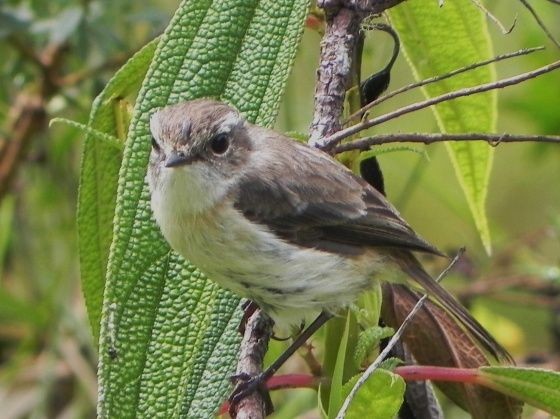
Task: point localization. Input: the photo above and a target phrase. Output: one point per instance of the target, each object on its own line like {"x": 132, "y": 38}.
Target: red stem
{"x": 407, "y": 372}
{"x": 428, "y": 372}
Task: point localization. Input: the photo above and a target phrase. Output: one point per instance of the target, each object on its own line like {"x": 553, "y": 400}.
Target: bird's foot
{"x": 245, "y": 386}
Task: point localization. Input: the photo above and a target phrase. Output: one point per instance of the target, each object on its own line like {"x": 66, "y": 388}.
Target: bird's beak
{"x": 177, "y": 158}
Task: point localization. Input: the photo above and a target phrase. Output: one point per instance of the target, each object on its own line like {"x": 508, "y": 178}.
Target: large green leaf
{"x": 98, "y": 181}
{"x": 437, "y": 40}
{"x": 168, "y": 336}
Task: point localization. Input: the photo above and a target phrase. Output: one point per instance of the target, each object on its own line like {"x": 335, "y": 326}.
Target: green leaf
{"x": 368, "y": 339}
{"x": 538, "y": 387}
{"x": 380, "y": 397}
{"x": 338, "y": 364}
{"x": 86, "y": 129}
{"x": 437, "y": 40}
{"x": 337, "y": 378}
{"x": 101, "y": 162}
{"x": 169, "y": 336}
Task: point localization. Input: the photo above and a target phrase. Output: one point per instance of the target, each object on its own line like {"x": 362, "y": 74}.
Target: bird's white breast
{"x": 291, "y": 283}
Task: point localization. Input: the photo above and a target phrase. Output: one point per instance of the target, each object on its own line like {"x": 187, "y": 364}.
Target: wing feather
{"x": 314, "y": 201}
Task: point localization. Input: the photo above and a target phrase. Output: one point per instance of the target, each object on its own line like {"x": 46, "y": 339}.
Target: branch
{"x": 489, "y": 15}
{"x": 525, "y": 51}
{"x": 338, "y": 49}
{"x": 333, "y": 75}
{"x": 333, "y": 140}
{"x": 253, "y": 348}
{"x": 430, "y": 138}
{"x": 540, "y": 22}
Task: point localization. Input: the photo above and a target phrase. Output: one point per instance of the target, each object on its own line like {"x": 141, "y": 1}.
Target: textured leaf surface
{"x": 169, "y": 337}
{"x": 540, "y": 388}
{"x": 101, "y": 161}
{"x": 437, "y": 40}
{"x": 380, "y": 397}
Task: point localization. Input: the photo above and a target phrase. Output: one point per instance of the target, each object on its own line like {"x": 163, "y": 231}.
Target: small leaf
{"x": 380, "y": 397}
{"x": 368, "y": 339}
{"x": 335, "y": 395}
{"x": 538, "y": 387}
{"x": 98, "y": 135}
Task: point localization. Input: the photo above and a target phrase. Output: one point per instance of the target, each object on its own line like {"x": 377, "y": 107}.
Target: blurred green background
{"x": 61, "y": 53}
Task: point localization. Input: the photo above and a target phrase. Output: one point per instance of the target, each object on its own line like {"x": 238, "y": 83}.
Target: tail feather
{"x": 410, "y": 265}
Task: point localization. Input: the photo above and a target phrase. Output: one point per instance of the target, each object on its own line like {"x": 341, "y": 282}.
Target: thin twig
{"x": 430, "y": 138}
{"x": 381, "y": 357}
{"x": 540, "y": 22}
{"x": 383, "y": 27}
{"x": 494, "y": 18}
{"x": 333, "y": 140}
{"x": 430, "y": 80}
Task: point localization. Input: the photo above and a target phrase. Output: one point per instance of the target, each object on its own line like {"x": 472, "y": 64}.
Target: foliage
{"x": 169, "y": 336}
{"x": 538, "y": 387}
{"x": 381, "y": 397}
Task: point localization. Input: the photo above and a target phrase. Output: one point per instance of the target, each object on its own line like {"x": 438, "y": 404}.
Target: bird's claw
{"x": 246, "y": 385}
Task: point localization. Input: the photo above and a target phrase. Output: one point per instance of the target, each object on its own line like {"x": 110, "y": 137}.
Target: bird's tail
{"x": 411, "y": 266}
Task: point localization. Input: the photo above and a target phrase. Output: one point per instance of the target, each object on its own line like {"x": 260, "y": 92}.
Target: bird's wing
{"x": 309, "y": 199}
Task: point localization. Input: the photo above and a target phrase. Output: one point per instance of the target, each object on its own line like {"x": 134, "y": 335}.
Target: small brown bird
{"x": 278, "y": 222}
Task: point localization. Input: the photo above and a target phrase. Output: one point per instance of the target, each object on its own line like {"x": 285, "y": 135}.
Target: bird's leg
{"x": 247, "y": 384}
{"x": 276, "y": 338}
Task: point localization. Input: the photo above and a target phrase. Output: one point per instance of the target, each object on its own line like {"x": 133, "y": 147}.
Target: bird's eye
{"x": 219, "y": 143}
{"x": 155, "y": 145}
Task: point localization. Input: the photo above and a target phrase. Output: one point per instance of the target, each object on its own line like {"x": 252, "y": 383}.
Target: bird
{"x": 280, "y": 223}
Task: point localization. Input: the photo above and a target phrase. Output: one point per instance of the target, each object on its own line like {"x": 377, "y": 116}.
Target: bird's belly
{"x": 291, "y": 283}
